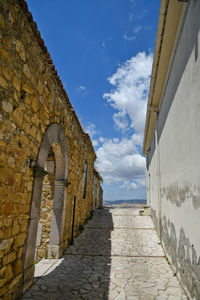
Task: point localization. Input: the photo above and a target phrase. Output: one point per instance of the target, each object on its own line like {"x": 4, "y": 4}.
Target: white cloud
{"x": 120, "y": 120}
{"x": 81, "y": 89}
{"x": 91, "y": 130}
{"x": 95, "y": 143}
{"x": 129, "y": 38}
{"x": 102, "y": 139}
{"x": 129, "y": 94}
{"x": 119, "y": 160}
{"x": 136, "y": 30}
{"x": 127, "y": 185}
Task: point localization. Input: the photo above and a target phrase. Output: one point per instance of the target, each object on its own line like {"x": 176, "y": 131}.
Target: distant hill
{"x": 131, "y": 201}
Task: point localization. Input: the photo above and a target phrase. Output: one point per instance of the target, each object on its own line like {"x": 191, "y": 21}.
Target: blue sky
{"x": 102, "y": 50}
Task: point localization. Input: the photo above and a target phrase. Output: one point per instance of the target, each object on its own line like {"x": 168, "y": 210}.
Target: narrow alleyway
{"x": 117, "y": 256}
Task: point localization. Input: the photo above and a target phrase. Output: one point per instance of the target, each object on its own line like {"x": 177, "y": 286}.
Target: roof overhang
{"x": 169, "y": 18}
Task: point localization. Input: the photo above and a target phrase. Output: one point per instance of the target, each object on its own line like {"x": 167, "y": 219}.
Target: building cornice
{"x": 169, "y": 18}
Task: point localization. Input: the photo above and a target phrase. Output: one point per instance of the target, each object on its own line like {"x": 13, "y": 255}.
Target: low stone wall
{"x": 35, "y": 115}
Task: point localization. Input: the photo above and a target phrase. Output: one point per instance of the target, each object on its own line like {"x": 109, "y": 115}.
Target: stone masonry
{"x": 36, "y": 121}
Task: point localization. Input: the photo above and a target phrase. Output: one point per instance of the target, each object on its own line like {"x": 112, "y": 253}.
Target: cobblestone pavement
{"x": 117, "y": 256}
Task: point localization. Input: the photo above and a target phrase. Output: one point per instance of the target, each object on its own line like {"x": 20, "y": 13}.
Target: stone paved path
{"x": 116, "y": 257}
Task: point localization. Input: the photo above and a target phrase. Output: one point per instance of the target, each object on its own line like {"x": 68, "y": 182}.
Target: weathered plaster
{"x": 183, "y": 257}
{"x": 178, "y": 195}
{"x": 178, "y": 130}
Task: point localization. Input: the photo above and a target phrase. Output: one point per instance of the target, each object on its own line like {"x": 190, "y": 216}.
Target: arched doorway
{"x": 54, "y": 140}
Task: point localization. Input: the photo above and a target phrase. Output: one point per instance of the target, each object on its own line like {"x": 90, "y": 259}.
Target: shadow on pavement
{"x": 84, "y": 270}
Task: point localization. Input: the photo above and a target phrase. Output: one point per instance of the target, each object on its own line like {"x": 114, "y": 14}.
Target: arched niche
{"x": 55, "y": 139}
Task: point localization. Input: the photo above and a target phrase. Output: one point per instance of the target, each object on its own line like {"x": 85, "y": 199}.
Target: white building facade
{"x": 172, "y": 139}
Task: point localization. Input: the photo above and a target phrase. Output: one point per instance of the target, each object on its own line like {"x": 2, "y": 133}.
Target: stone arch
{"x": 54, "y": 137}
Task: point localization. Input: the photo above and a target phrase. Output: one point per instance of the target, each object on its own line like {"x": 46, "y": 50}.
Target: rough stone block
{"x": 26, "y": 71}
{"x": 17, "y": 267}
{"x": 17, "y": 83}
{"x": 5, "y": 221}
{"x": 19, "y": 240}
{"x": 19, "y": 252}
{"x": 7, "y": 106}
{"x": 9, "y": 258}
{"x": 40, "y": 87}
{"x": 6, "y": 208}
{"x": 7, "y": 74}
{"x": 35, "y": 120}
{"x": 27, "y": 88}
{"x": 3, "y": 83}
{"x": 35, "y": 103}
{"x": 41, "y": 253}
{"x": 18, "y": 116}
{"x": 11, "y": 162}
{"x": 3, "y": 290}
{"x": 5, "y": 245}
{"x": 21, "y": 50}
{"x": 15, "y": 281}
{"x": 24, "y": 140}
{"x": 5, "y": 275}
{"x": 3, "y": 144}
{"x": 33, "y": 131}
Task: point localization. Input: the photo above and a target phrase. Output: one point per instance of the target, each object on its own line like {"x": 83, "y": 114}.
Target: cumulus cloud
{"x": 119, "y": 160}
{"x": 101, "y": 139}
{"x": 127, "y": 185}
{"x": 130, "y": 87}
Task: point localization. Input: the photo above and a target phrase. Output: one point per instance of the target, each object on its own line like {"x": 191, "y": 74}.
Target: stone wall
{"x": 35, "y": 116}
{"x": 97, "y": 190}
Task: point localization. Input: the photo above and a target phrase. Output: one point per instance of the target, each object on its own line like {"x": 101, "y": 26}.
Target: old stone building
{"x": 47, "y": 174}
{"x": 171, "y": 140}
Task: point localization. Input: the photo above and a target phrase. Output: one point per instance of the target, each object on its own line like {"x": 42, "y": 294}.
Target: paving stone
{"x": 116, "y": 257}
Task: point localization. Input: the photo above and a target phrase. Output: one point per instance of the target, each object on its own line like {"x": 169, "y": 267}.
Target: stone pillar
{"x": 29, "y": 248}
{"x": 57, "y": 222}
